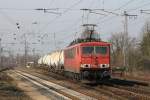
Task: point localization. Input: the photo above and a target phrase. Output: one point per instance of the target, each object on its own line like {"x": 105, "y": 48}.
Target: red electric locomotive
{"x": 88, "y": 59}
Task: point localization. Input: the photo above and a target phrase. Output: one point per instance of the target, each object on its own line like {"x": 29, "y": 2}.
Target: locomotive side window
{"x": 88, "y": 50}
{"x": 77, "y": 50}
{"x": 70, "y": 53}
{"x": 101, "y": 50}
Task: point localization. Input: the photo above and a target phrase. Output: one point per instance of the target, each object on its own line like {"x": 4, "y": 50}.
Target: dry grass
{"x": 8, "y": 89}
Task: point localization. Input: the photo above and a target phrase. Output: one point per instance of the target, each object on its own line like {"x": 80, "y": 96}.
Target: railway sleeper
{"x": 126, "y": 93}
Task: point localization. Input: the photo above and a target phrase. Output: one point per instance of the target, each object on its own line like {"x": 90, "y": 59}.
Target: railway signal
{"x": 18, "y": 25}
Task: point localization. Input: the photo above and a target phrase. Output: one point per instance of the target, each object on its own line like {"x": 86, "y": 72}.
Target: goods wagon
{"x": 54, "y": 61}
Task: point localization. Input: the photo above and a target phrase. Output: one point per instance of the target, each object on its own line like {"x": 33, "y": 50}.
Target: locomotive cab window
{"x": 70, "y": 53}
{"x": 101, "y": 50}
{"x": 88, "y": 50}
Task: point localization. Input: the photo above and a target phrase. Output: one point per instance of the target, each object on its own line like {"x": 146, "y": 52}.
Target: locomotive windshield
{"x": 87, "y": 50}
{"x": 94, "y": 50}
{"x": 101, "y": 50}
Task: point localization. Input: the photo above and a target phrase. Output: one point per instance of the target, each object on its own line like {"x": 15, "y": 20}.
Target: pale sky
{"x": 40, "y": 27}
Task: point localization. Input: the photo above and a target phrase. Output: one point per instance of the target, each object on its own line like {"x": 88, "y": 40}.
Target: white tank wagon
{"x": 43, "y": 61}
{"x": 54, "y": 61}
{"x": 40, "y": 61}
{"x": 47, "y": 59}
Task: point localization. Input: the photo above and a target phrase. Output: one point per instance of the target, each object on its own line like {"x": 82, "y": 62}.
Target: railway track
{"x": 106, "y": 92}
{"x": 56, "y": 90}
{"x": 129, "y": 82}
{"x": 120, "y": 90}
{"x": 127, "y": 89}
{"x": 126, "y": 93}
{"x": 71, "y": 85}
{"x": 135, "y": 89}
{"x": 87, "y": 89}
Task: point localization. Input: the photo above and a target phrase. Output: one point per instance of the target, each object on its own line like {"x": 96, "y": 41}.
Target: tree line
{"x": 129, "y": 52}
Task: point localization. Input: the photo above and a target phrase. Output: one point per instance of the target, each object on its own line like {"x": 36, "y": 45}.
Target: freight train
{"x": 83, "y": 59}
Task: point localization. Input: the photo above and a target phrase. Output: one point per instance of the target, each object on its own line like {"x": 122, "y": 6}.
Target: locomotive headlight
{"x": 104, "y": 65}
{"x": 85, "y": 65}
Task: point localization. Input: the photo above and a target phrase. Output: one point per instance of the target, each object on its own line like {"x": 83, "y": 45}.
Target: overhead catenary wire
{"x": 71, "y": 9}
{"x": 65, "y": 11}
{"x": 109, "y": 12}
{"x": 136, "y": 8}
{"x": 106, "y": 19}
{"x": 88, "y": 15}
{"x": 52, "y": 1}
{"x": 71, "y": 26}
{"x": 17, "y": 9}
{"x": 147, "y": 11}
{"x": 8, "y": 18}
{"x": 33, "y": 9}
{"x": 124, "y": 5}
{"x": 119, "y": 8}
{"x": 130, "y": 1}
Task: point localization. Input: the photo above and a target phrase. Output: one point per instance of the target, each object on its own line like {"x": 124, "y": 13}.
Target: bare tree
{"x": 145, "y": 47}
{"x": 118, "y": 46}
{"x": 123, "y": 50}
